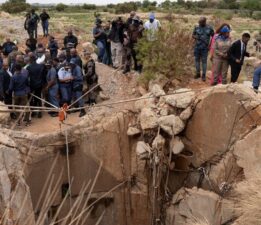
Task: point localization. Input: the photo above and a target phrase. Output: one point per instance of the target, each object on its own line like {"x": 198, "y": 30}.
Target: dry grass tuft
{"x": 197, "y": 221}
{"x": 248, "y": 201}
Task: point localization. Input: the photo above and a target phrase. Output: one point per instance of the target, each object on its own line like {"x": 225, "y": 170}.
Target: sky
{"x": 97, "y": 2}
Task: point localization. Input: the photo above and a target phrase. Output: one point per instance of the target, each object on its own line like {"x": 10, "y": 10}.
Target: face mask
{"x": 151, "y": 20}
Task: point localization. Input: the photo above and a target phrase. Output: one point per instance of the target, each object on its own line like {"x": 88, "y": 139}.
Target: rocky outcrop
{"x": 4, "y": 116}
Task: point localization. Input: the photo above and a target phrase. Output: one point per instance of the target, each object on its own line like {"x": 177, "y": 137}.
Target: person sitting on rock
{"x": 256, "y": 78}
{"x": 91, "y": 76}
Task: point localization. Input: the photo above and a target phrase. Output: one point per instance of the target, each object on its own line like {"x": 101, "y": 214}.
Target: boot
{"x": 82, "y": 113}
{"x": 126, "y": 70}
{"x": 197, "y": 76}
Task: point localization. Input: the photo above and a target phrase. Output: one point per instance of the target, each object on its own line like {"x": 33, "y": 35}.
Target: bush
{"x": 256, "y": 15}
{"x": 61, "y": 7}
{"x": 15, "y": 6}
{"x": 166, "y": 56}
{"x": 224, "y": 15}
{"x": 89, "y": 6}
{"x": 125, "y": 7}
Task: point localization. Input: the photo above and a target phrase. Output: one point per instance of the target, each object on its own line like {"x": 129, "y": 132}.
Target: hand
{"x": 238, "y": 61}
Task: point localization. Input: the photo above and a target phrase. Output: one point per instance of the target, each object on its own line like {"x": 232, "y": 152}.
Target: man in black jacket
{"x": 44, "y": 16}
{"x": 70, "y": 41}
{"x": 37, "y": 80}
{"x": 116, "y": 37}
{"x": 237, "y": 54}
{"x": 8, "y": 47}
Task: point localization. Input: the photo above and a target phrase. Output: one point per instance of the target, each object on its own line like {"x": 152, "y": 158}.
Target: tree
{"x": 61, "y": 7}
{"x": 253, "y": 5}
{"x": 15, "y": 6}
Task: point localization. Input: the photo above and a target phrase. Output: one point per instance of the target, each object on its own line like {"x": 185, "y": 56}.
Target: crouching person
{"x": 19, "y": 86}
{"x": 77, "y": 85}
{"x": 52, "y": 86}
{"x": 91, "y": 77}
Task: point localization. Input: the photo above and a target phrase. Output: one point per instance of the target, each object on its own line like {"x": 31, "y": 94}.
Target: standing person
{"x": 257, "y": 78}
{"x": 91, "y": 77}
{"x": 70, "y": 41}
{"x": 202, "y": 34}
{"x": 5, "y": 78}
{"x": 107, "y": 55}
{"x": 44, "y": 16}
{"x": 220, "y": 59}
{"x": 74, "y": 55}
{"x": 134, "y": 33}
{"x": 116, "y": 38}
{"x": 37, "y": 80}
{"x": 99, "y": 39}
{"x": 52, "y": 86}
{"x": 7, "y": 47}
{"x": 34, "y": 22}
{"x": 257, "y": 42}
{"x": 237, "y": 54}
{"x": 31, "y": 43}
{"x": 65, "y": 83}
{"x": 53, "y": 47}
{"x": 130, "y": 19}
{"x": 20, "y": 88}
{"x": 152, "y": 26}
{"x": 77, "y": 85}
{"x": 28, "y": 24}
{"x": 211, "y": 49}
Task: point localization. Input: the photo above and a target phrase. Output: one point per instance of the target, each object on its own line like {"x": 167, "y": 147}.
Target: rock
{"x": 248, "y": 153}
{"x": 219, "y": 120}
{"x": 176, "y": 145}
{"x": 157, "y": 91}
{"x": 197, "y": 204}
{"x": 132, "y": 131}
{"x": 182, "y": 99}
{"x": 158, "y": 142}
{"x": 143, "y": 150}
{"x": 142, "y": 90}
{"x": 146, "y": 101}
{"x": 186, "y": 114}
{"x": 171, "y": 124}
{"x": 148, "y": 119}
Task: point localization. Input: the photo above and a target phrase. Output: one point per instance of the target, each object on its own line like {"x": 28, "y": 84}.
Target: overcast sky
{"x": 100, "y": 2}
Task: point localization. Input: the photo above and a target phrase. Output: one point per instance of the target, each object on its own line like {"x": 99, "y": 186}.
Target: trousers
{"x": 66, "y": 92}
{"x": 45, "y": 25}
{"x": 201, "y": 56}
{"x": 257, "y": 77}
{"x": 52, "y": 95}
{"x": 22, "y": 100}
{"x": 116, "y": 53}
{"x": 235, "y": 71}
{"x": 220, "y": 67}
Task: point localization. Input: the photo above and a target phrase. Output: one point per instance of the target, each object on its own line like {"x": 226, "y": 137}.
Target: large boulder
{"x": 4, "y": 116}
{"x": 222, "y": 116}
{"x": 146, "y": 101}
{"x": 171, "y": 124}
{"x": 182, "y": 99}
{"x": 197, "y": 204}
{"x": 248, "y": 153}
{"x": 148, "y": 119}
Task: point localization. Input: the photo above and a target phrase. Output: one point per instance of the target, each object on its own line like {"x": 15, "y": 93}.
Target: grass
{"x": 248, "y": 201}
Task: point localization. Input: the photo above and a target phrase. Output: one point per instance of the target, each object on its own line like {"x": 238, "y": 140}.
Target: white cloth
{"x": 152, "y": 29}
{"x": 64, "y": 74}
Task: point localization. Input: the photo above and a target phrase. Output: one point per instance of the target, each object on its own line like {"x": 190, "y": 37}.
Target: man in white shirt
{"x": 152, "y": 26}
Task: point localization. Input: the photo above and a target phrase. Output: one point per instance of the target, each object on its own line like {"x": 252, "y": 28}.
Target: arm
{"x": 194, "y": 34}
{"x": 11, "y": 85}
{"x": 1, "y": 85}
{"x": 231, "y": 52}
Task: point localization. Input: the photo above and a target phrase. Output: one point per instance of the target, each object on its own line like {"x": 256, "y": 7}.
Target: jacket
{"x": 235, "y": 52}
{"x": 36, "y": 75}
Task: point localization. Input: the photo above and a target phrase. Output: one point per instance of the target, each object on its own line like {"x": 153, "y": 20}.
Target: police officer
{"x": 65, "y": 83}
{"x": 52, "y": 86}
{"x": 202, "y": 35}
{"x": 77, "y": 85}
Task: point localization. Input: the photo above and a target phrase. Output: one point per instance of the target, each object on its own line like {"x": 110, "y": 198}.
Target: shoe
{"x": 255, "y": 89}
{"x": 82, "y": 113}
{"x": 13, "y": 116}
{"x": 27, "y": 124}
{"x": 214, "y": 84}
{"x": 197, "y": 76}
{"x": 126, "y": 70}
{"x": 204, "y": 79}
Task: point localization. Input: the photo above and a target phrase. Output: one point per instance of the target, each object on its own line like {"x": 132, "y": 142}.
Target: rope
{"x": 44, "y": 101}
{"x": 68, "y": 168}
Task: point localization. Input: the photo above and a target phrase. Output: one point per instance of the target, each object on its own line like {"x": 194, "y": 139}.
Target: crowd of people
{"x": 223, "y": 53}
{"x": 49, "y": 73}
{"x": 116, "y": 40}
{"x": 58, "y": 73}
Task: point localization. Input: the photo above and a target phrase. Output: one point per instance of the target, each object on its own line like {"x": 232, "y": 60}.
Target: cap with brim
{"x": 152, "y": 16}
{"x": 225, "y": 29}
{"x": 73, "y": 61}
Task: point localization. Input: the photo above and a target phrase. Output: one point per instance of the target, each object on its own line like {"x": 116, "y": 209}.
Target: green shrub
{"x": 126, "y": 7}
{"x": 167, "y": 56}
{"x": 61, "y": 7}
{"x": 89, "y": 6}
{"x": 256, "y": 15}
{"x": 15, "y": 6}
{"x": 224, "y": 15}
